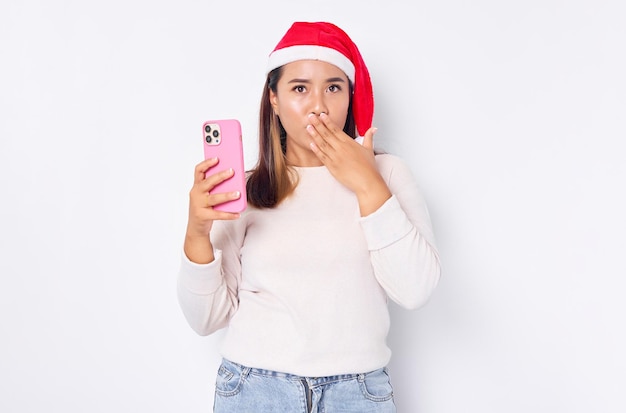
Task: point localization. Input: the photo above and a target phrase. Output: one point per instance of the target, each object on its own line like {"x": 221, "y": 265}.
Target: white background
{"x": 511, "y": 114}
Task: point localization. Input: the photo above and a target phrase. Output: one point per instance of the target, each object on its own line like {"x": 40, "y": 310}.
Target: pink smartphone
{"x": 222, "y": 140}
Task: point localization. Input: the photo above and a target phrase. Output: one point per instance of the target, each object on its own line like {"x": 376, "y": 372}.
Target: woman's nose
{"x": 318, "y": 103}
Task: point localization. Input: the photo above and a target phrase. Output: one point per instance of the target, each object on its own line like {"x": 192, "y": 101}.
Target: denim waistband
{"x": 312, "y": 381}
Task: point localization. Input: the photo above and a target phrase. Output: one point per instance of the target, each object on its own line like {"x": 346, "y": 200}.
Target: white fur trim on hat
{"x": 309, "y": 52}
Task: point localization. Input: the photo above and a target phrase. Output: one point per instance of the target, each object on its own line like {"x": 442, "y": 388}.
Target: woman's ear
{"x": 274, "y": 101}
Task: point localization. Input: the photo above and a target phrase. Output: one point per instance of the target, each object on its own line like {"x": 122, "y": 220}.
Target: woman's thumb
{"x": 368, "y": 139}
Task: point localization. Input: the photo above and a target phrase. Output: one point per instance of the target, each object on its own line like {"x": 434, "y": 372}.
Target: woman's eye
{"x": 334, "y": 88}
{"x": 299, "y": 89}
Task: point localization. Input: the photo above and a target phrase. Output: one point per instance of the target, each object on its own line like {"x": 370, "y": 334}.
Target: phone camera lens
{"x": 216, "y": 133}
{"x": 207, "y": 128}
{"x": 208, "y": 139}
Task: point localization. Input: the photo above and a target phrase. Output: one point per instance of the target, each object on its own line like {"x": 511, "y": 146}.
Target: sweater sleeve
{"x": 208, "y": 293}
{"x": 400, "y": 239}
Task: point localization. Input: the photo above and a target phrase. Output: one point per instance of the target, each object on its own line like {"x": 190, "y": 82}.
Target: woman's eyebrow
{"x": 299, "y": 81}
{"x": 329, "y": 80}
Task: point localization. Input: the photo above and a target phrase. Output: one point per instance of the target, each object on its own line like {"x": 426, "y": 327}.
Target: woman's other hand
{"x": 351, "y": 163}
{"x": 198, "y": 247}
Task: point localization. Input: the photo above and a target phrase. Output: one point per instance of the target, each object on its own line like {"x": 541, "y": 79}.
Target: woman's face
{"x": 305, "y": 87}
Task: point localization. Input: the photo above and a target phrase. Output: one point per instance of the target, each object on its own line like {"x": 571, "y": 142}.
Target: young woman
{"x": 302, "y": 277}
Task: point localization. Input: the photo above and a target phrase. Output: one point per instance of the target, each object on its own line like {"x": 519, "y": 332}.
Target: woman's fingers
{"x": 205, "y": 179}
{"x": 332, "y": 128}
{"x": 211, "y": 197}
{"x": 329, "y": 141}
{"x": 213, "y": 179}
{"x": 211, "y": 200}
{"x": 202, "y": 194}
{"x": 318, "y": 143}
{"x": 202, "y": 198}
{"x": 324, "y": 132}
{"x": 202, "y": 168}
{"x": 325, "y": 136}
{"x": 368, "y": 139}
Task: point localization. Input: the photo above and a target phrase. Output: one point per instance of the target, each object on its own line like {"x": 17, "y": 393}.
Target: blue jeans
{"x": 240, "y": 389}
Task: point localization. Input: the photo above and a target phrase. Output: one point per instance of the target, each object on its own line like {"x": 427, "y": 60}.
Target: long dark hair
{"x": 272, "y": 180}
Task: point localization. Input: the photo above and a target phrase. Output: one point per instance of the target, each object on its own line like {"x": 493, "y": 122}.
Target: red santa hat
{"x": 328, "y": 43}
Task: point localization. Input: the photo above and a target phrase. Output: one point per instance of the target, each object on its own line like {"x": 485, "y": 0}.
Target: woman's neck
{"x": 302, "y": 157}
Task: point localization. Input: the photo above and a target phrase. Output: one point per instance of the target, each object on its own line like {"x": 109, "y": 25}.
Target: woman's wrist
{"x": 373, "y": 197}
{"x": 198, "y": 248}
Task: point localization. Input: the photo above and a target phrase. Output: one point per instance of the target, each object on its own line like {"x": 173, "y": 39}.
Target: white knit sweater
{"x": 303, "y": 287}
